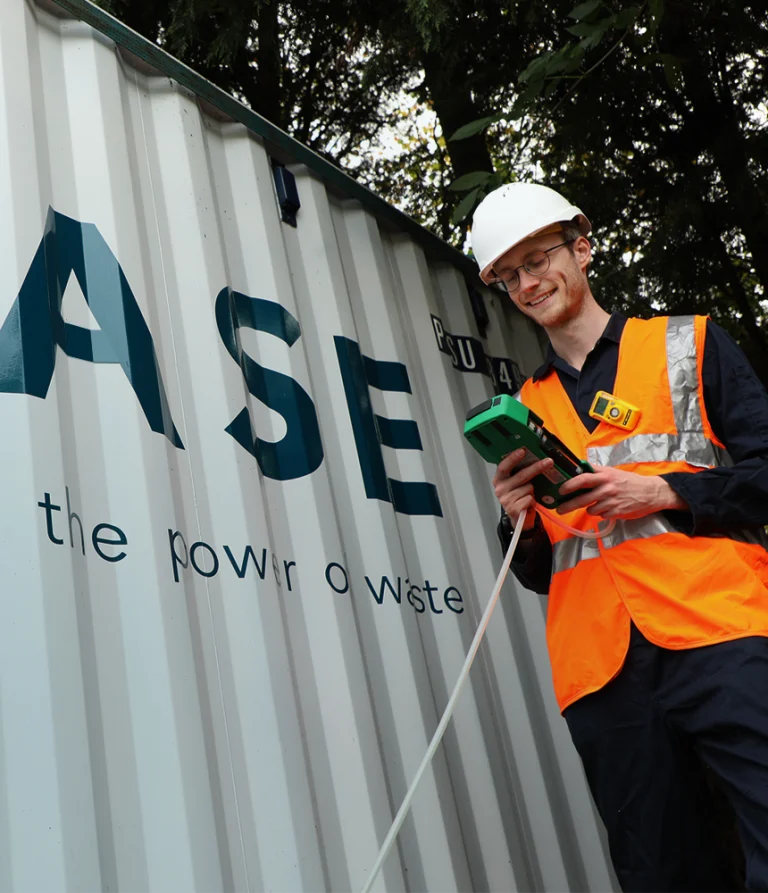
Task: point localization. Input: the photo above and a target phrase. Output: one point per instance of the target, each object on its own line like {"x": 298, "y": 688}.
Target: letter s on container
{"x": 300, "y": 451}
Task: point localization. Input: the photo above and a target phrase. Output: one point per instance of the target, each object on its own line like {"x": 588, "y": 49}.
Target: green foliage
{"x": 666, "y": 129}
{"x": 474, "y": 127}
{"x": 656, "y": 10}
{"x": 594, "y": 21}
{"x": 584, "y": 10}
{"x": 470, "y": 181}
{"x": 466, "y": 205}
{"x": 480, "y": 183}
{"x": 673, "y": 71}
{"x": 649, "y": 115}
{"x": 429, "y": 18}
{"x": 306, "y": 66}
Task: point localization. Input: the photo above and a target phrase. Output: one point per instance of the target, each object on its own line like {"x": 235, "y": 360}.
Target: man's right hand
{"x": 514, "y": 489}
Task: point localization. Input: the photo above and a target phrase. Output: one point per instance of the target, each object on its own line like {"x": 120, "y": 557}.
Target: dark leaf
{"x": 561, "y": 61}
{"x": 592, "y": 41}
{"x": 474, "y": 127}
{"x": 584, "y": 9}
{"x": 672, "y": 71}
{"x": 464, "y": 207}
{"x": 657, "y": 11}
{"x": 626, "y": 17}
{"x": 582, "y": 29}
{"x": 536, "y": 69}
{"x": 470, "y": 181}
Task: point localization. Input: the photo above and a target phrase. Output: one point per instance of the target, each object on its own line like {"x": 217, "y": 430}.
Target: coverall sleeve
{"x": 736, "y": 402}
{"x": 532, "y": 564}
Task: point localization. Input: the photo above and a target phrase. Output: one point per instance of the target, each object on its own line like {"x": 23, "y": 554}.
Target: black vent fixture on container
{"x": 287, "y": 193}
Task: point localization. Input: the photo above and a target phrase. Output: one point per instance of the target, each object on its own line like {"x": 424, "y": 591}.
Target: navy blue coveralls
{"x": 637, "y": 735}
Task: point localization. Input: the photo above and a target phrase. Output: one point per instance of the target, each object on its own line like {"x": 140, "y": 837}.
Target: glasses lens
{"x": 512, "y": 282}
{"x": 537, "y": 263}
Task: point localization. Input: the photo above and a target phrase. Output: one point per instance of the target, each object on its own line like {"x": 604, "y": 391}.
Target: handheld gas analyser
{"x": 502, "y": 424}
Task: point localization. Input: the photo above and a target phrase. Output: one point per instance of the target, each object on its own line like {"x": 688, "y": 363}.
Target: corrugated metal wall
{"x": 227, "y": 631}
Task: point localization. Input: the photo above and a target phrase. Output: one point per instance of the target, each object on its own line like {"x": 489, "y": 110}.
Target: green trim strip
{"x": 149, "y": 52}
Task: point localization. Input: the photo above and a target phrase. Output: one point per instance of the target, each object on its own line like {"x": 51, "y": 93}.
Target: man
{"x": 658, "y": 631}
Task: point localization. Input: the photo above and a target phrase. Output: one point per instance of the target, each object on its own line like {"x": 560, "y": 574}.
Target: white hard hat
{"x": 515, "y": 212}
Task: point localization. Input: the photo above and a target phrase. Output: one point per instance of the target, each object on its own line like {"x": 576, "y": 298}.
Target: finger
{"x": 516, "y": 500}
{"x": 506, "y": 465}
{"x": 524, "y": 504}
{"x": 510, "y": 460}
{"x": 580, "y": 482}
{"x": 530, "y": 471}
{"x": 578, "y": 502}
{"x": 504, "y": 485}
{"x": 608, "y": 509}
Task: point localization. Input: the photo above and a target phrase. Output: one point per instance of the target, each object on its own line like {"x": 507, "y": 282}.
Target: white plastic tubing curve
{"x": 446, "y": 717}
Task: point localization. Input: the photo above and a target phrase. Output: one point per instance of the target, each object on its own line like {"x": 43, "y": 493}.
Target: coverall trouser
{"x": 638, "y": 738}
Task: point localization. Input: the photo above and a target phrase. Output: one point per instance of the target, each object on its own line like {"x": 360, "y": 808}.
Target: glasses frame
{"x": 524, "y": 266}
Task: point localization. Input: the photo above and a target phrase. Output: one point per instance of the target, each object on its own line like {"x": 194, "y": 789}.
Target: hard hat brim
{"x": 580, "y": 220}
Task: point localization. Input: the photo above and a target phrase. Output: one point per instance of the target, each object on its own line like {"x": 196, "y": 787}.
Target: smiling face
{"x": 558, "y": 295}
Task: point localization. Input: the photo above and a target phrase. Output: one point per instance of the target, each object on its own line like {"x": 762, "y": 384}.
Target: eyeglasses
{"x": 537, "y": 264}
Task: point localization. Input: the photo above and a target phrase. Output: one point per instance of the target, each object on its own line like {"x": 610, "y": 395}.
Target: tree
{"x": 652, "y": 115}
{"x": 668, "y": 128}
{"x": 333, "y": 76}
{"x": 305, "y": 66}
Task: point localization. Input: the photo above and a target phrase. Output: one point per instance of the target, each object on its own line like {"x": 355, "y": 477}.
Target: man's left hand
{"x": 614, "y": 493}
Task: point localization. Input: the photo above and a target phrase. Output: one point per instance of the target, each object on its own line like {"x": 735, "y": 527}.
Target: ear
{"x": 582, "y": 251}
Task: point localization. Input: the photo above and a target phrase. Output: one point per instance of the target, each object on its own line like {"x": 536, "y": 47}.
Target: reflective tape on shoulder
{"x": 690, "y": 447}
{"x": 683, "y": 374}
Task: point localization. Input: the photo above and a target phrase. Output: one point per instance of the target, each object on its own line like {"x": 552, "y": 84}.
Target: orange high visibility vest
{"x": 680, "y": 591}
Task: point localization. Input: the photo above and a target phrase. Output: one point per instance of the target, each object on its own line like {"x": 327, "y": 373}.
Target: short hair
{"x": 572, "y": 232}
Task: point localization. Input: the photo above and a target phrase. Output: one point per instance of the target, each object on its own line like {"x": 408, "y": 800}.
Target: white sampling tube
{"x": 584, "y": 534}
{"x": 446, "y": 717}
{"x": 437, "y": 737}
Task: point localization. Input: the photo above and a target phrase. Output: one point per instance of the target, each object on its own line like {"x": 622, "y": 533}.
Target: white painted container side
{"x": 244, "y": 545}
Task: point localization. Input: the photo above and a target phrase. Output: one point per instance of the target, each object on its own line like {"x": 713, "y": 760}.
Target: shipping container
{"x": 245, "y": 546}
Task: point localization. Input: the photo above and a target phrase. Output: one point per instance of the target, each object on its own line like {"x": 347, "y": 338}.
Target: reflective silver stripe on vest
{"x": 568, "y": 553}
{"x": 689, "y": 444}
{"x": 636, "y": 529}
{"x": 692, "y": 448}
{"x": 683, "y": 374}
